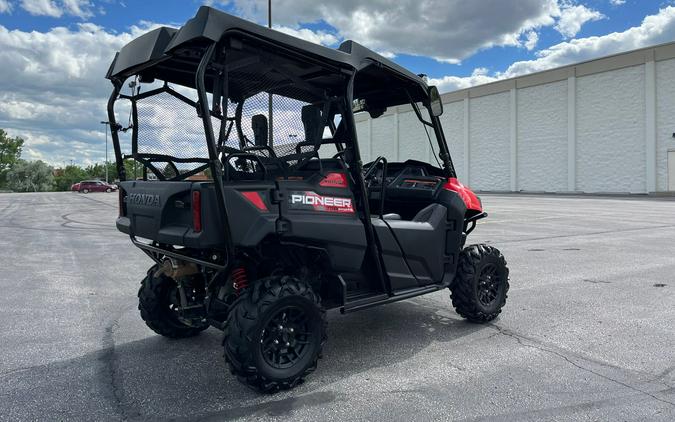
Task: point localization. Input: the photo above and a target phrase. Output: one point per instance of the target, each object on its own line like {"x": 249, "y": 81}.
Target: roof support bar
{"x": 216, "y": 166}
{"x": 121, "y": 172}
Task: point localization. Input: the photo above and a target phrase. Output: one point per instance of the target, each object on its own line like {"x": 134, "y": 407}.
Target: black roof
{"x": 172, "y": 54}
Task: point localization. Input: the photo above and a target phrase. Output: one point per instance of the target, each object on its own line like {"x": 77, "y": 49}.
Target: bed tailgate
{"x": 173, "y": 213}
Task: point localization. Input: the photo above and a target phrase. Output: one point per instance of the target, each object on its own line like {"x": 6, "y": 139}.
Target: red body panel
{"x": 256, "y": 199}
{"x": 470, "y": 199}
{"x": 334, "y": 180}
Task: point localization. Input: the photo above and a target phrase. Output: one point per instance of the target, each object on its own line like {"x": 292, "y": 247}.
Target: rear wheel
{"x": 479, "y": 290}
{"x": 158, "y": 302}
{"x": 85, "y": 190}
{"x": 275, "y": 333}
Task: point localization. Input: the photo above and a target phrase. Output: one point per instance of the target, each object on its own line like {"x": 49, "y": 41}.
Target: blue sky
{"x": 54, "y": 53}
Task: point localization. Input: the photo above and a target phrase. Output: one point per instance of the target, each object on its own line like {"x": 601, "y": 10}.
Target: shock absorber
{"x": 239, "y": 280}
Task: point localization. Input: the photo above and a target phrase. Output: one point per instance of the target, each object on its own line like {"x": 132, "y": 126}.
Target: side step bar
{"x": 384, "y": 298}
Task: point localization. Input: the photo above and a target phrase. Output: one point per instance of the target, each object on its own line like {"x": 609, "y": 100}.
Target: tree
{"x": 133, "y": 169}
{"x": 95, "y": 171}
{"x": 10, "y": 151}
{"x": 30, "y": 176}
{"x": 69, "y": 175}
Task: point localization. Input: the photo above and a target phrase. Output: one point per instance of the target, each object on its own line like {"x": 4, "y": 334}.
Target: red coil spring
{"x": 239, "y": 279}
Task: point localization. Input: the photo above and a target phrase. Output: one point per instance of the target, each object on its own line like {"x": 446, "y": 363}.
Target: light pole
{"x": 269, "y": 105}
{"x": 106, "y": 123}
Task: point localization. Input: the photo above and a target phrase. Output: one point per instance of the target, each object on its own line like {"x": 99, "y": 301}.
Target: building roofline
{"x": 615, "y": 61}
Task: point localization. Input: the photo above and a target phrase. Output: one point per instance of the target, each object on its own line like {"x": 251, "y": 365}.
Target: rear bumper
{"x": 123, "y": 224}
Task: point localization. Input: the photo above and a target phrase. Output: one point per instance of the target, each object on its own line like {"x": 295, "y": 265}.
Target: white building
{"x": 605, "y": 125}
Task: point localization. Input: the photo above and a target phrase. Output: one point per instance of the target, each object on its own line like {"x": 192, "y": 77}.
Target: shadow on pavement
{"x": 158, "y": 378}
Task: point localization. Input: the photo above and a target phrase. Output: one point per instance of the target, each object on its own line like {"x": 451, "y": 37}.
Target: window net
{"x": 287, "y": 127}
{"x": 170, "y": 134}
{"x": 169, "y": 126}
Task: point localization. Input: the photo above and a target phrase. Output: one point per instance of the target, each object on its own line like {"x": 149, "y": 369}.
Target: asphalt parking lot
{"x": 588, "y": 331}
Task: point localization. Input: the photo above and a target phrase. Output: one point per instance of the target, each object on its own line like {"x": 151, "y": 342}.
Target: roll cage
{"x": 227, "y": 61}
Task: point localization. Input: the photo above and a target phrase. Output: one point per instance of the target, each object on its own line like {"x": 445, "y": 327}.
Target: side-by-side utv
{"x": 242, "y": 179}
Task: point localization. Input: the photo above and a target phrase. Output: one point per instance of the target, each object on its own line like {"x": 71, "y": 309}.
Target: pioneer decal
{"x": 307, "y": 200}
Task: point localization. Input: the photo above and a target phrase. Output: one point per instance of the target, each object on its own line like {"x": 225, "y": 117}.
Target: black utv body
{"x": 250, "y": 195}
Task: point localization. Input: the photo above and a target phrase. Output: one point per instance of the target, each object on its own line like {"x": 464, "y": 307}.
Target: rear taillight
{"x": 197, "y": 211}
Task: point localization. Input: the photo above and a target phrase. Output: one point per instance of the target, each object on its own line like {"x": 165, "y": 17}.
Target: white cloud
{"x": 52, "y": 88}
{"x": 79, "y": 8}
{"x": 42, "y": 8}
{"x": 316, "y": 37}
{"x": 5, "y": 6}
{"x": 532, "y": 38}
{"x": 617, "y": 2}
{"x": 387, "y": 54}
{"x": 572, "y": 18}
{"x": 654, "y": 29}
{"x": 452, "y": 83}
{"x": 448, "y": 30}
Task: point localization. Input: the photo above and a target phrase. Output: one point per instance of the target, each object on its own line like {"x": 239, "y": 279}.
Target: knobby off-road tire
{"x": 156, "y": 297}
{"x": 479, "y": 290}
{"x": 275, "y": 333}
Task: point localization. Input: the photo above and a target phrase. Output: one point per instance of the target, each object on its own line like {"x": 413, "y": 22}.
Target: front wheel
{"x": 108, "y": 190}
{"x": 275, "y": 333}
{"x": 479, "y": 290}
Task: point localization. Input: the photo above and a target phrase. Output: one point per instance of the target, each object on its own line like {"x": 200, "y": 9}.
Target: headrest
{"x": 311, "y": 120}
{"x": 259, "y": 126}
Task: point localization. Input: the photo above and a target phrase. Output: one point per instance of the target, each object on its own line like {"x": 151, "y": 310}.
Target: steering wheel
{"x": 370, "y": 175}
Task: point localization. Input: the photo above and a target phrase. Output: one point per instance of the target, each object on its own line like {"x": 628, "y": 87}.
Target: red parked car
{"x": 87, "y": 186}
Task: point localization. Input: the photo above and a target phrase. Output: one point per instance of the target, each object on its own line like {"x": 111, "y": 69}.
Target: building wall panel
{"x": 383, "y": 142}
{"x": 453, "y": 128}
{"x": 610, "y": 117}
{"x": 413, "y": 143}
{"x": 665, "y": 119}
{"x": 542, "y": 137}
{"x": 489, "y": 151}
{"x": 608, "y": 141}
{"x": 363, "y": 134}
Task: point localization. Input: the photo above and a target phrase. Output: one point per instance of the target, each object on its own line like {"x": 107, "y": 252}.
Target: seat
{"x": 312, "y": 122}
{"x": 421, "y": 217}
{"x": 424, "y": 214}
{"x": 259, "y": 126}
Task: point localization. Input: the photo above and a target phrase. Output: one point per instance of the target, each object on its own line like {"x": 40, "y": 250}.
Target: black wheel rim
{"x": 488, "y": 285}
{"x": 286, "y": 338}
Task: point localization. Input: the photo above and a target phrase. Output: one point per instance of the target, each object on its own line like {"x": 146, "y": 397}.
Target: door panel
{"x": 430, "y": 244}
{"x": 423, "y": 243}
{"x": 394, "y": 264}
{"x": 321, "y": 210}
